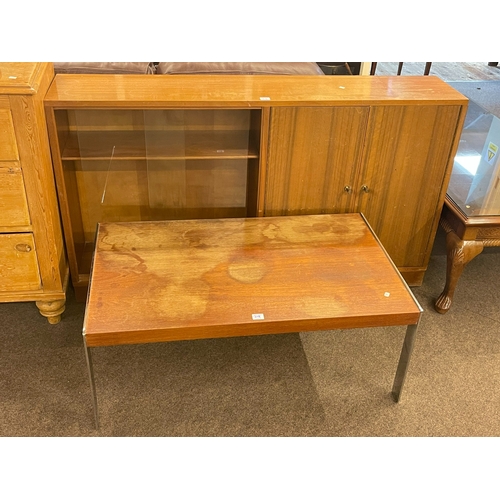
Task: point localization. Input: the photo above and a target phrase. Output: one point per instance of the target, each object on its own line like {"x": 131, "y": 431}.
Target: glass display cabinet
{"x": 471, "y": 214}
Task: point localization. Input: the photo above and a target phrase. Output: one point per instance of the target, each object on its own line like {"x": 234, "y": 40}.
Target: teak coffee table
{"x": 194, "y": 279}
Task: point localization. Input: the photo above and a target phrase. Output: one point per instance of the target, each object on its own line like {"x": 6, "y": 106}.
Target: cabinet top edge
{"x": 22, "y": 78}
{"x": 246, "y": 90}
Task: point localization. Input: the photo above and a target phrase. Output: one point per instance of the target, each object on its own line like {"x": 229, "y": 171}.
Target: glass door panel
{"x": 198, "y": 162}
{"x": 131, "y": 164}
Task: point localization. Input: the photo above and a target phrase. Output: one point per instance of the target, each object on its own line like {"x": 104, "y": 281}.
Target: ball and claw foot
{"x": 443, "y": 303}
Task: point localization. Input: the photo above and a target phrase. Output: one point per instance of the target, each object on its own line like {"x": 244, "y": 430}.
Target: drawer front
{"x": 8, "y": 145}
{"x": 13, "y": 203}
{"x": 18, "y": 263}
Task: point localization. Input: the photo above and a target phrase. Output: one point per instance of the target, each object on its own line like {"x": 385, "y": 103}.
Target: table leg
{"x": 90, "y": 368}
{"x": 459, "y": 253}
{"x": 404, "y": 361}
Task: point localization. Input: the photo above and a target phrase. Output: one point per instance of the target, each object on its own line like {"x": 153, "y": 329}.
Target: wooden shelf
{"x": 159, "y": 145}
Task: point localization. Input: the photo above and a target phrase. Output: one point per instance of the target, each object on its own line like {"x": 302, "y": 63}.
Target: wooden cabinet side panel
{"x": 32, "y": 140}
{"x": 314, "y": 154}
{"x": 407, "y": 156}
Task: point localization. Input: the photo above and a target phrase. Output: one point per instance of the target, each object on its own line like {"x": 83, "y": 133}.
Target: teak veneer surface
{"x": 245, "y": 90}
{"x": 175, "y": 280}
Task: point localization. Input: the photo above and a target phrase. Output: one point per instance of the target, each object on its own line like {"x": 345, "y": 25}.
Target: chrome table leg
{"x": 90, "y": 368}
{"x": 404, "y": 361}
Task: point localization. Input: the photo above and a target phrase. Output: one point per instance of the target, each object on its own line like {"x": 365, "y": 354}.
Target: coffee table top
{"x": 474, "y": 185}
{"x": 175, "y": 280}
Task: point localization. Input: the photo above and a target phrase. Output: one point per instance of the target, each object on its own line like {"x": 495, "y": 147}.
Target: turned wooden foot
{"x": 52, "y": 310}
{"x": 459, "y": 253}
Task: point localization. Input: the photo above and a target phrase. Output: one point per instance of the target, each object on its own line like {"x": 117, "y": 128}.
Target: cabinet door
{"x": 314, "y": 154}
{"x": 407, "y": 156}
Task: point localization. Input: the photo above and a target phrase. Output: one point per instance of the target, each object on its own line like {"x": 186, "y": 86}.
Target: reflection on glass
{"x": 156, "y": 164}
{"x": 197, "y": 162}
{"x": 475, "y": 179}
{"x": 107, "y": 176}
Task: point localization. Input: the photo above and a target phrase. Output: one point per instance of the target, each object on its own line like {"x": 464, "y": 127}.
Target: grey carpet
{"x": 308, "y": 384}
{"x": 486, "y": 94}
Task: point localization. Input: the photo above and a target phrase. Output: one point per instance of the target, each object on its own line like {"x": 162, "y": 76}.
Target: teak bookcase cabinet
{"x": 133, "y": 147}
{"x": 33, "y": 264}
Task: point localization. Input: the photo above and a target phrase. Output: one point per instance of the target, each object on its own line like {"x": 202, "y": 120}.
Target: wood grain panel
{"x": 13, "y": 203}
{"x": 314, "y": 154}
{"x": 407, "y": 157}
{"x": 8, "y": 146}
{"x": 18, "y": 263}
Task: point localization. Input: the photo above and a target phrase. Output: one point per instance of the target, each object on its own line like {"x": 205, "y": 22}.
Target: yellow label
{"x": 492, "y": 151}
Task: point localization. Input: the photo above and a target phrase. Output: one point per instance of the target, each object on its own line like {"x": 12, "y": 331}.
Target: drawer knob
{"x": 22, "y": 247}
{"x": 347, "y": 189}
{"x": 365, "y": 188}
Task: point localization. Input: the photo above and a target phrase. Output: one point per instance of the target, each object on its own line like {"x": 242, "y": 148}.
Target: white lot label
{"x": 257, "y": 316}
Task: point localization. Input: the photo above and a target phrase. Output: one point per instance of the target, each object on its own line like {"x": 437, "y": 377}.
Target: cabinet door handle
{"x": 365, "y": 188}
{"x": 347, "y": 189}
{"x": 22, "y": 247}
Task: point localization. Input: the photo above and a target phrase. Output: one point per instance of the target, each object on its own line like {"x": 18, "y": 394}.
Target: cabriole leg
{"x": 459, "y": 253}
